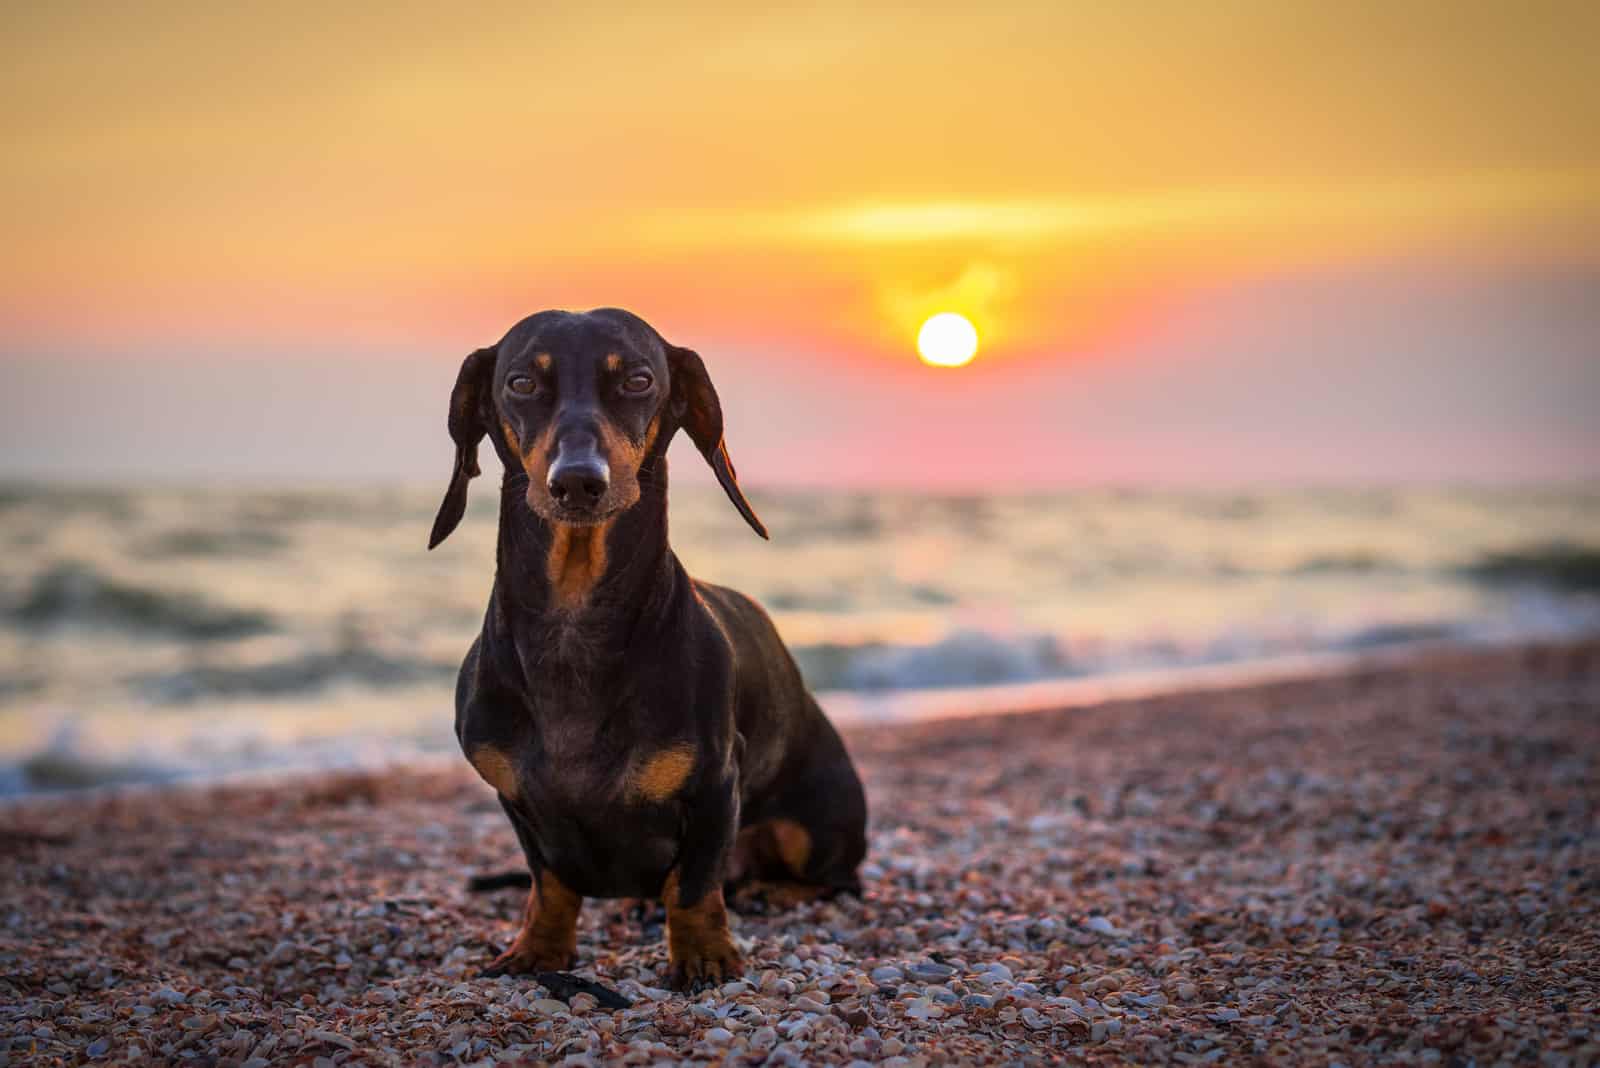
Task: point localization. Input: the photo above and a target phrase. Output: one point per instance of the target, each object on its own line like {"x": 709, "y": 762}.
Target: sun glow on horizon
{"x": 947, "y": 340}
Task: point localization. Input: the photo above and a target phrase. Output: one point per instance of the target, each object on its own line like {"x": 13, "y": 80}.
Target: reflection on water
{"x": 158, "y": 634}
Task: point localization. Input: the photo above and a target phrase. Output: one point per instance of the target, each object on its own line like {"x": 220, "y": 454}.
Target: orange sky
{"x": 220, "y": 178}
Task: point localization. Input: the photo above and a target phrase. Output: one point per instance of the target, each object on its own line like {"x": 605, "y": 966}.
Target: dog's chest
{"x": 605, "y": 819}
{"x": 574, "y": 753}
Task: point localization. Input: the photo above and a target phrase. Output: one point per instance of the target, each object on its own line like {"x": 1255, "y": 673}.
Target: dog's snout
{"x": 580, "y": 481}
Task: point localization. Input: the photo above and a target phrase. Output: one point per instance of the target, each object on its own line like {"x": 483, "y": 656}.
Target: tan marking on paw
{"x": 700, "y": 949}
{"x": 548, "y": 939}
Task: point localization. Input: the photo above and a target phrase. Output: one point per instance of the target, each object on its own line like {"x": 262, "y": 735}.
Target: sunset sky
{"x": 1201, "y": 243}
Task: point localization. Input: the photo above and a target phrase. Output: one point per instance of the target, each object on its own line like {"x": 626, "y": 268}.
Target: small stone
{"x": 98, "y": 1047}
{"x": 719, "y": 1035}
{"x": 549, "y": 1007}
{"x": 1101, "y": 925}
{"x": 1188, "y": 991}
{"x": 1034, "y": 1019}
{"x": 856, "y": 1018}
{"x": 332, "y": 1038}
{"x": 887, "y": 973}
{"x": 930, "y": 971}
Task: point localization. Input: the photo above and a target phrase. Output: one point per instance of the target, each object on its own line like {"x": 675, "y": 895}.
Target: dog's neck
{"x": 573, "y": 595}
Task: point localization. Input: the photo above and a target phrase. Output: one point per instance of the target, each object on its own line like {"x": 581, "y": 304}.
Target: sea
{"x": 188, "y": 633}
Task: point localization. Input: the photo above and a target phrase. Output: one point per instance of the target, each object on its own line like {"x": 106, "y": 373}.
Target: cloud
{"x": 982, "y": 291}
{"x": 1492, "y": 198}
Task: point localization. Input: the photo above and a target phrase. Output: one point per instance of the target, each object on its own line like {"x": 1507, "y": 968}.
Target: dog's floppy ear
{"x": 466, "y": 430}
{"x": 694, "y": 400}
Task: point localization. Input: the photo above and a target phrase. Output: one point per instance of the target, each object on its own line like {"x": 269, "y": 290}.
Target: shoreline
{"x": 1367, "y": 863}
{"x": 852, "y": 710}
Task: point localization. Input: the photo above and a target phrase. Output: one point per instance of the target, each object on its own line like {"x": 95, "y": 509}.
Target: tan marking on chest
{"x": 495, "y": 768}
{"x": 576, "y": 563}
{"x": 662, "y": 774}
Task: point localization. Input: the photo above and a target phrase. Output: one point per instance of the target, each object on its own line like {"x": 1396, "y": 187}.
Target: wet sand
{"x": 1393, "y": 865}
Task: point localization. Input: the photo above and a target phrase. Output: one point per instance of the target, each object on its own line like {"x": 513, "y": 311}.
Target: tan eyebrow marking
{"x": 544, "y": 360}
{"x": 613, "y": 363}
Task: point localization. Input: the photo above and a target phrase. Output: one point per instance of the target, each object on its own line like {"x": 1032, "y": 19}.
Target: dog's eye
{"x": 637, "y": 382}
{"x": 521, "y": 384}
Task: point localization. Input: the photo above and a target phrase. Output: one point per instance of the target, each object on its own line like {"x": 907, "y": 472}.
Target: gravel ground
{"x": 1394, "y": 865}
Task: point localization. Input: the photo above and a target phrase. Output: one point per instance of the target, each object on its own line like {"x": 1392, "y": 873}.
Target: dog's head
{"x": 582, "y": 402}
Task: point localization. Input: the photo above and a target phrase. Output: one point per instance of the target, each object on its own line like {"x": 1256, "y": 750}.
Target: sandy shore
{"x": 1394, "y": 865}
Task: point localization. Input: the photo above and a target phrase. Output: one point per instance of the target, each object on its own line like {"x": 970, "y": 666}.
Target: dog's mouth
{"x": 581, "y": 517}
{"x": 571, "y": 515}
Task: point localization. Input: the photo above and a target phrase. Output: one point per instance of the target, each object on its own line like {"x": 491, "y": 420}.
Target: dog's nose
{"x": 579, "y": 482}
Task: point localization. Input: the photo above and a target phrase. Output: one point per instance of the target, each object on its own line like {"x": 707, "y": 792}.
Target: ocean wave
{"x": 1555, "y": 565}
{"x": 964, "y": 658}
{"x": 295, "y": 676}
{"x": 1352, "y": 562}
{"x": 971, "y": 658}
{"x": 12, "y": 686}
{"x": 244, "y": 541}
{"x": 65, "y": 769}
{"x": 1380, "y": 635}
{"x": 117, "y": 506}
{"x": 75, "y": 594}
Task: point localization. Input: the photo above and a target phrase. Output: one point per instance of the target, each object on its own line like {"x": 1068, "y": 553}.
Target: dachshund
{"x": 648, "y": 734}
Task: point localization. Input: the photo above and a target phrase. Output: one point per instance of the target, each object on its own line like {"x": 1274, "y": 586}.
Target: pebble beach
{"x": 1395, "y": 864}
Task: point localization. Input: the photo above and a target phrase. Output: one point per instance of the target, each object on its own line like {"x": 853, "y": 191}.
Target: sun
{"x": 947, "y": 340}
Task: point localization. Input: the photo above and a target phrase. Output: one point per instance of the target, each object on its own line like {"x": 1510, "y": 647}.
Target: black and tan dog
{"x": 648, "y": 734}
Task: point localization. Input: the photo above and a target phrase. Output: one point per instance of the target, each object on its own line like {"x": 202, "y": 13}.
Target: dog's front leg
{"x": 548, "y": 937}
{"x": 700, "y": 948}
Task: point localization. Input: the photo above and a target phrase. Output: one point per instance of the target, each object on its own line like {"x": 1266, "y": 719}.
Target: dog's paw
{"x": 521, "y": 960}
{"x": 710, "y": 963}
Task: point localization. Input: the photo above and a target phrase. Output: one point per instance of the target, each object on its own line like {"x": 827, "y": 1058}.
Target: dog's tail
{"x": 505, "y": 880}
